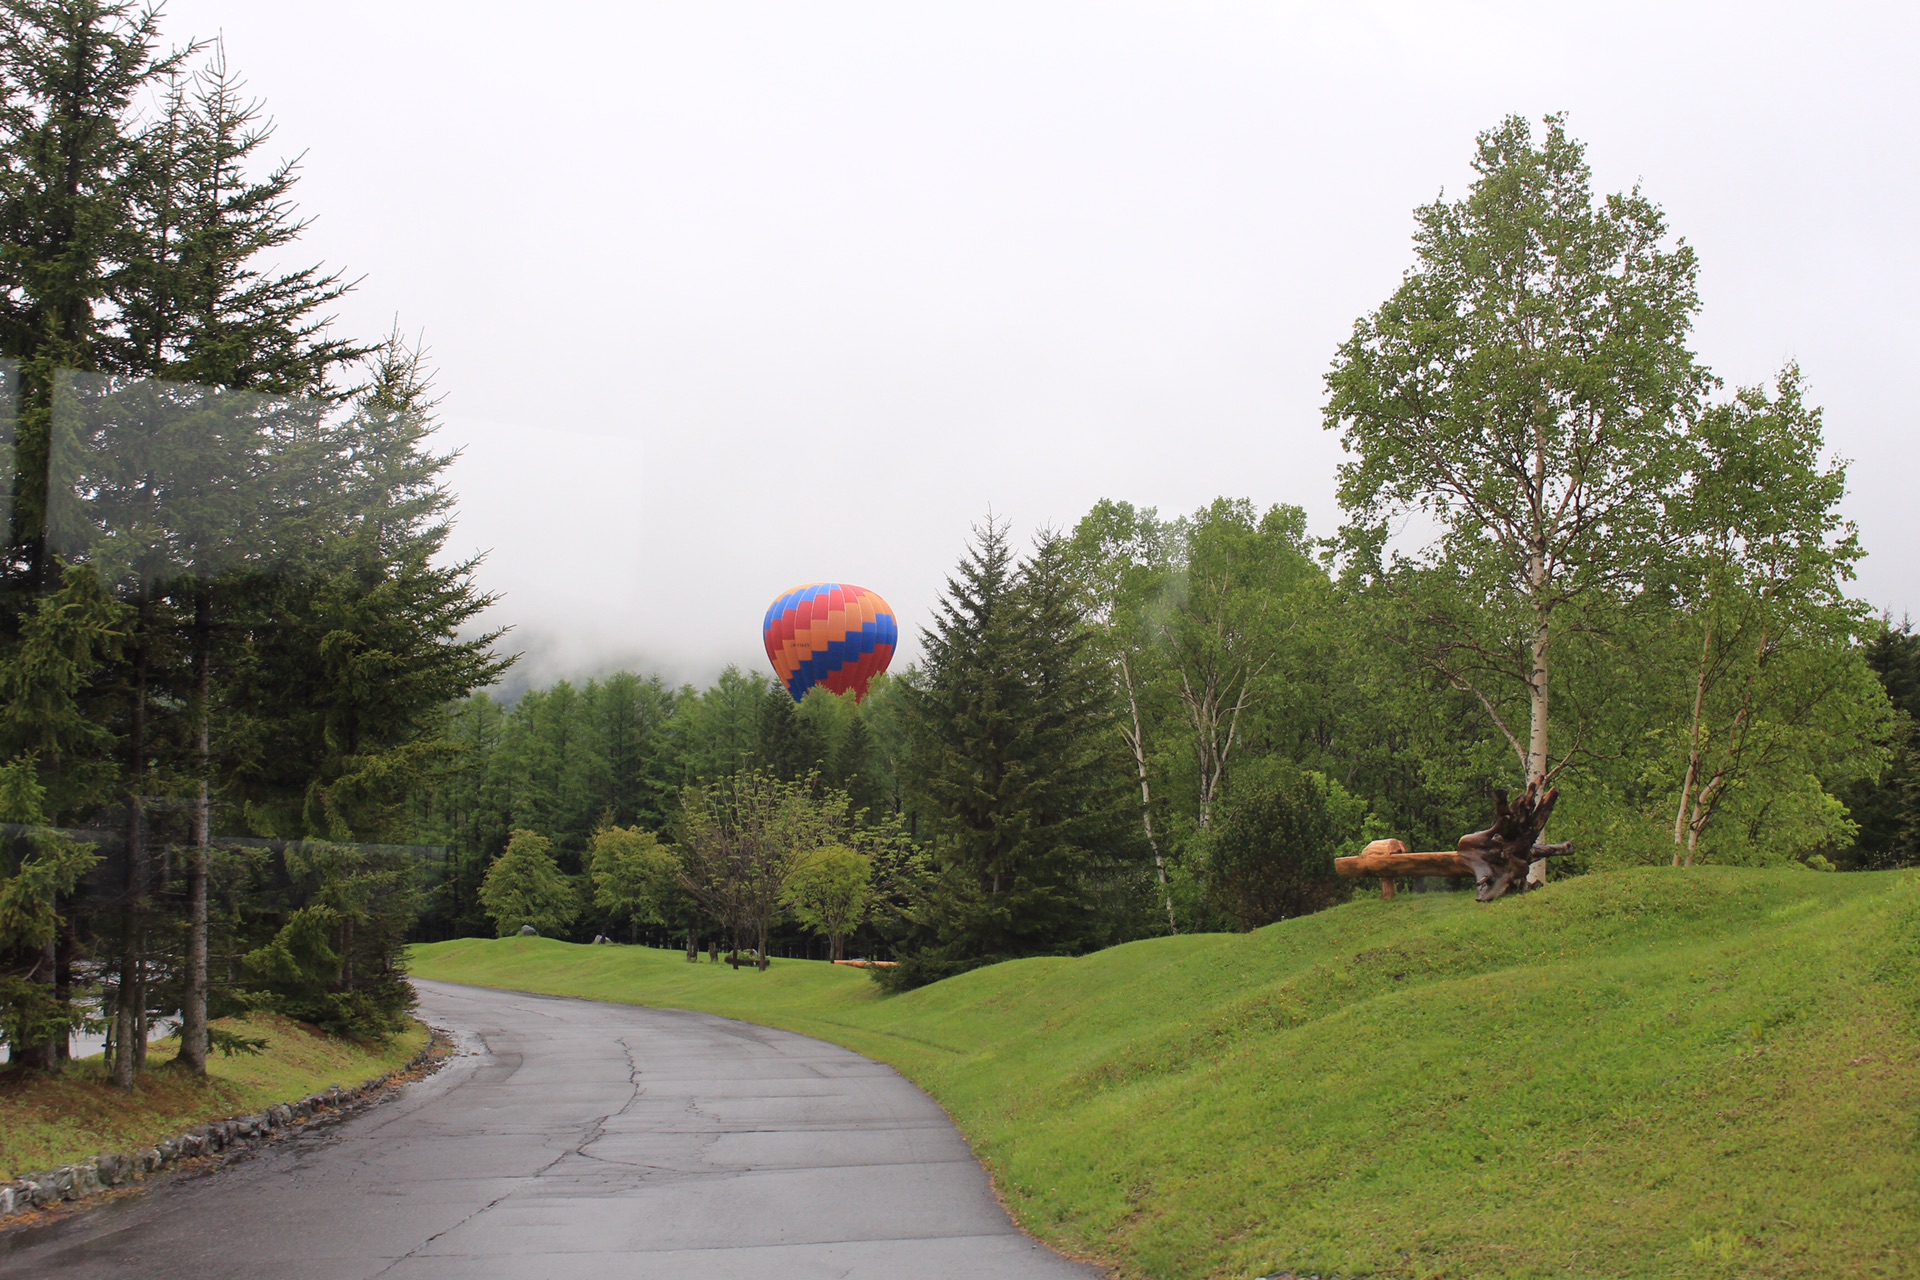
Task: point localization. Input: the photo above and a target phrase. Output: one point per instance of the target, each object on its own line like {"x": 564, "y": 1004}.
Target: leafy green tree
{"x": 1525, "y": 392}
{"x": 744, "y": 839}
{"x": 1221, "y": 617}
{"x": 1121, "y": 561}
{"x": 830, "y": 895}
{"x": 38, "y": 867}
{"x": 337, "y": 959}
{"x": 1781, "y": 701}
{"x": 788, "y": 745}
{"x": 72, "y": 73}
{"x": 1272, "y": 856}
{"x": 525, "y": 887}
{"x": 290, "y": 630}
{"x": 635, "y": 716}
{"x": 634, "y": 876}
{"x": 718, "y": 730}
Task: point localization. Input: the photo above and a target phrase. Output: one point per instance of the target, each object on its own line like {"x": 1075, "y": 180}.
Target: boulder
{"x": 528, "y": 931}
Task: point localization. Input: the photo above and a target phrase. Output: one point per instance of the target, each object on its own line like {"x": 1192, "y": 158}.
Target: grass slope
{"x": 49, "y": 1122}
{"x": 1651, "y": 1073}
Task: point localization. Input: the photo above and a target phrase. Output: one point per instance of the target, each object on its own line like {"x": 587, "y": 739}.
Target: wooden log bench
{"x": 1498, "y": 859}
{"x": 1388, "y": 860}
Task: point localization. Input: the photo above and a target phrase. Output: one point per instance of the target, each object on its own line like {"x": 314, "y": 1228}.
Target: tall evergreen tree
{"x": 1017, "y": 803}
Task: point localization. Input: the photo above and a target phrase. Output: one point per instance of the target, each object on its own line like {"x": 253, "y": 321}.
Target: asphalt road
{"x": 584, "y": 1141}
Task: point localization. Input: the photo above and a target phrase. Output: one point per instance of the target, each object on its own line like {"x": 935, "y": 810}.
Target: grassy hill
{"x": 1713, "y": 1072}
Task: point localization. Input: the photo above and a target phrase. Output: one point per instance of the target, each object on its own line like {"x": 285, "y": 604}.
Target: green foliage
{"x": 1887, "y": 809}
{"x": 38, "y": 867}
{"x": 258, "y": 612}
{"x": 831, "y": 893}
{"x": 1271, "y": 856}
{"x": 1526, "y": 390}
{"x": 231, "y": 1043}
{"x": 744, "y": 840}
{"x": 526, "y": 887}
{"x": 634, "y": 876}
{"x": 335, "y": 961}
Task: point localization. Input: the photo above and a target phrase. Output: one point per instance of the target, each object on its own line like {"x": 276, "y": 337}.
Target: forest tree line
{"x": 1209, "y": 714}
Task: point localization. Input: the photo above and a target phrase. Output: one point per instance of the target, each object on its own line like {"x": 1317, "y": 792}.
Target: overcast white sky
{"x": 731, "y": 296}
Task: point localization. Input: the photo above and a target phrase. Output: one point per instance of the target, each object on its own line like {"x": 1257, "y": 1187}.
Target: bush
{"x": 1270, "y": 854}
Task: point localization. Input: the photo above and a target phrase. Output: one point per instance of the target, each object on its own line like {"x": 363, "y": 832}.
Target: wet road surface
{"x": 581, "y": 1140}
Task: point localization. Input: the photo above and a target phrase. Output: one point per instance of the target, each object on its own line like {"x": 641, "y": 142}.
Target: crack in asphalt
{"x": 578, "y": 1149}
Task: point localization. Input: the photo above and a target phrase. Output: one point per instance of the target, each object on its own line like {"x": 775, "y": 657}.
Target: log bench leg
{"x": 1386, "y": 889}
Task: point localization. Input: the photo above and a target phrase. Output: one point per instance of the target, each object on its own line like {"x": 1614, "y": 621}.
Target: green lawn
{"x": 1713, "y": 1072}
{"x": 47, "y": 1122}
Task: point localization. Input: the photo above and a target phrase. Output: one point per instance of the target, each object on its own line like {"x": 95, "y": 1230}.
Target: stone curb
{"x": 118, "y": 1170}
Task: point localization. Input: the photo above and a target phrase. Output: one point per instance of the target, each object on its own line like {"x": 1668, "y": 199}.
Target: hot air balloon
{"x": 832, "y": 634}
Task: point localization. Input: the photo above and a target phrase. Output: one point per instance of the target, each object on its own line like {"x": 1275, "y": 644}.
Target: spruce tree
{"x": 71, "y": 72}
{"x": 789, "y": 747}
{"x": 1015, "y": 801}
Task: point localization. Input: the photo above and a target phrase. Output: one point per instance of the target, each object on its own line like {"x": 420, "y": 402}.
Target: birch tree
{"x": 1778, "y": 685}
{"x": 1521, "y": 399}
{"x": 1120, "y": 555}
{"x": 1220, "y": 619}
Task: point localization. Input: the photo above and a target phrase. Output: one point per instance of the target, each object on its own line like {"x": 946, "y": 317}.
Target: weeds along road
{"x": 573, "y": 1139}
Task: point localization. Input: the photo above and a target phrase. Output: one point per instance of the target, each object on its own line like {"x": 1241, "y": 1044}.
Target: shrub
{"x": 1270, "y": 855}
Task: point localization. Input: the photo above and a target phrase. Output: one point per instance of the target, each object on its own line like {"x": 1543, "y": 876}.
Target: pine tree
{"x": 788, "y": 746}
{"x": 71, "y": 72}
{"x": 1019, "y": 807}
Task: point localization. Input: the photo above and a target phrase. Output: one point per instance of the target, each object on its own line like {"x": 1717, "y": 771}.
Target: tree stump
{"x": 1501, "y": 855}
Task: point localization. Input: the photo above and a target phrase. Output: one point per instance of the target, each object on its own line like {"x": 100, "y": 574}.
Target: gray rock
{"x": 111, "y": 1169}
{"x": 154, "y": 1160}
{"x": 6, "y": 1201}
{"x": 528, "y": 931}
{"x": 192, "y": 1145}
